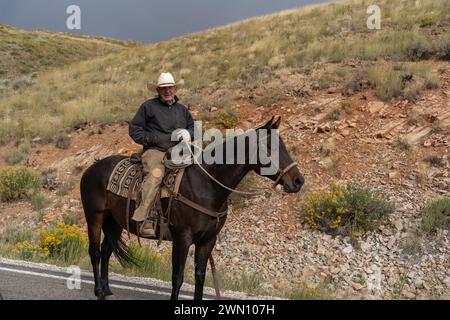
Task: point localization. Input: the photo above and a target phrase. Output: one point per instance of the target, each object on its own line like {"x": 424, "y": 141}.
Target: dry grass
{"x": 407, "y": 80}
{"x": 19, "y": 154}
{"x": 386, "y": 82}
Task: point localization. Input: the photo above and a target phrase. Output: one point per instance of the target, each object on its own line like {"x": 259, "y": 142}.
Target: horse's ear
{"x": 268, "y": 125}
{"x": 276, "y": 124}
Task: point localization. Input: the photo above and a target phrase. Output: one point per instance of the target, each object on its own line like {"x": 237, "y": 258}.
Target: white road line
{"x": 118, "y": 286}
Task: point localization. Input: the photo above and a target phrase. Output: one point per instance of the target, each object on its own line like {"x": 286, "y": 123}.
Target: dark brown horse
{"x": 106, "y": 211}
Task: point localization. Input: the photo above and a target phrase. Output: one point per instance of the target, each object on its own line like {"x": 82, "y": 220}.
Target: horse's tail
{"x": 121, "y": 250}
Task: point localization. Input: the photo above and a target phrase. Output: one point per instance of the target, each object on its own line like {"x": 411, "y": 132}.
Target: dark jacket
{"x": 153, "y": 124}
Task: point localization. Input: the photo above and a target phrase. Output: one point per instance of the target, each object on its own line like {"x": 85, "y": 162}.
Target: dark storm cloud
{"x": 142, "y": 20}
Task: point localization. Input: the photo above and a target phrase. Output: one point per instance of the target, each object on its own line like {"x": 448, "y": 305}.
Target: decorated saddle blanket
{"x": 127, "y": 176}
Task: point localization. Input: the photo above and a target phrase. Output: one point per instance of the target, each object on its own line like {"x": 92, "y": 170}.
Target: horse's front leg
{"x": 202, "y": 254}
{"x": 180, "y": 249}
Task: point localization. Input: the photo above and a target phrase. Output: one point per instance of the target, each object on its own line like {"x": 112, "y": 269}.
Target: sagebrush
{"x": 18, "y": 183}
{"x": 346, "y": 209}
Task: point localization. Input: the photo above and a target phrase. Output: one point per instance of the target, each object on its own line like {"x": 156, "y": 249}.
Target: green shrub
{"x": 411, "y": 245}
{"x": 77, "y": 170}
{"x": 397, "y": 290}
{"x": 245, "y": 281}
{"x": 415, "y": 119}
{"x": 420, "y": 48}
{"x": 13, "y": 235}
{"x": 436, "y": 215}
{"x": 327, "y": 148}
{"x": 17, "y": 183}
{"x": 18, "y": 154}
{"x": 354, "y": 84}
{"x": 305, "y": 293}
{"x": 436, "y": 127}
{"x": 427, "y": 21}
{"x": 434, "y": 160}
{"x": 431, "y": 81}
{"x": 343, "y": 71}
{"x": 40, "y": 216}
{"x": 334, "y": 114}
{"x": 65, "y": 188}
{"x": 444, "y": 48}
{"x": 325, "y": 81}
{"x": 38, "y": 202}
{"x": 412, "y": 90}
{"x": 227, "y": 119}
{"x": 269, "y": 97}
{"x": 70, "y": 219}
{"x": 63, "y": 140}
{"x": 14, "y": 157}
{"x": 151, "y": 264}
{"x": 402, "y": 144}
{"x": 346, "y": 209}
{"x": 347, "y": 107}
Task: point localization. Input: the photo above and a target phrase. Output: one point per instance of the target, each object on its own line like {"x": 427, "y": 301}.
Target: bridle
{"x": 281, "y": 173}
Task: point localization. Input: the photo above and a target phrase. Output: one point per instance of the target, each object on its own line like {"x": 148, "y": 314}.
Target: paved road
{"x": 27, "y": 281}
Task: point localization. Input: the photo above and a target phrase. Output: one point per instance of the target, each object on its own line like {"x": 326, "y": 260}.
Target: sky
{"x": 147, "y": 21}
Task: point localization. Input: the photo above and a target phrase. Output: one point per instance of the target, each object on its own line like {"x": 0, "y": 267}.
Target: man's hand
{"x": 183, "y": 135}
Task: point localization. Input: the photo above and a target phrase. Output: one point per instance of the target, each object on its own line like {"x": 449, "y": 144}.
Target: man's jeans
{"x": 153, "y": 175}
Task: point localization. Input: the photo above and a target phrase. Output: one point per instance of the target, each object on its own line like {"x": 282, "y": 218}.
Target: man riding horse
{"x": 199, "y": 208}
{"x": 152, "y": 127}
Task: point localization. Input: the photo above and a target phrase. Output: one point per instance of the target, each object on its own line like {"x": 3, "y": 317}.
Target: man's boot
{"x": 146, "y": 229}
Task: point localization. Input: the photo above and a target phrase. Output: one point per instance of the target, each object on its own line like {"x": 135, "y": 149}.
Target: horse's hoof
{"x": 100, "y": 294}
{"x": 107, "y": 292}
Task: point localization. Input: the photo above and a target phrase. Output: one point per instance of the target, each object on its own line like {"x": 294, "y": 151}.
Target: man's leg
{"x": 153, "y": 175}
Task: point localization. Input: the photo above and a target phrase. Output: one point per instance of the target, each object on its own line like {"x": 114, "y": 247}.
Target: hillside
{"x": 371, "y": 106}
{"x": 316, "y": 48}
{"x": 24, "y": 52}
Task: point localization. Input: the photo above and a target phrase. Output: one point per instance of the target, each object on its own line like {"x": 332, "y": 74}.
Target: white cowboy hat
{"x": 166, "y": 79}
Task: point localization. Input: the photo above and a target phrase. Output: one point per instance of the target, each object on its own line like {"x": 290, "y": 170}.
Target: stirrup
{"x": 151, "y": 235}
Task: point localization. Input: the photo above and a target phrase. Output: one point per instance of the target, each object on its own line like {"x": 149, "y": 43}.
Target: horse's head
{"x": 278, "y": 165}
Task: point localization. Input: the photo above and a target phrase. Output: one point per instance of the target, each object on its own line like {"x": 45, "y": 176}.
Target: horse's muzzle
{"x": 294, "y": 185}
